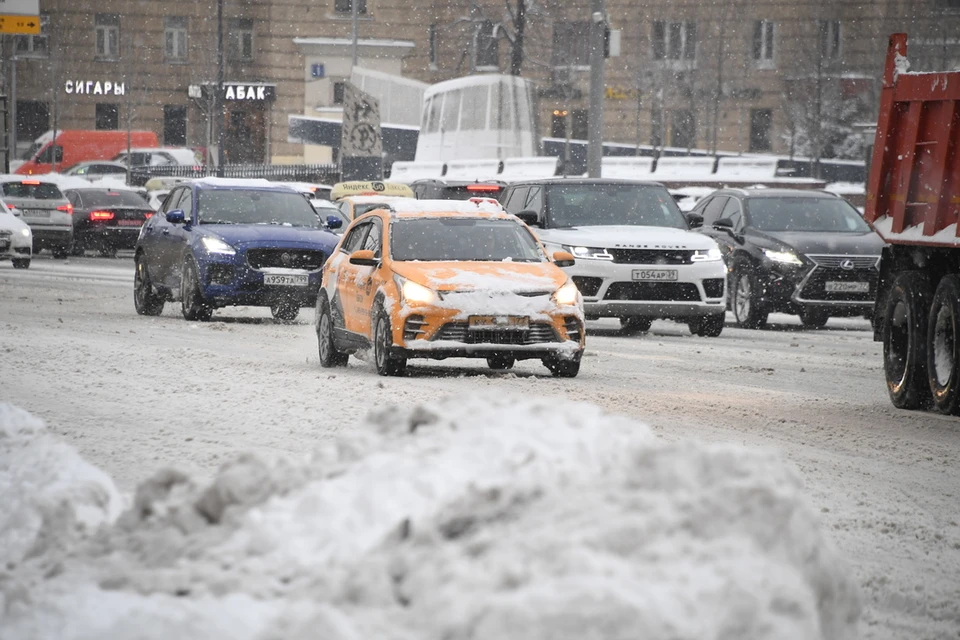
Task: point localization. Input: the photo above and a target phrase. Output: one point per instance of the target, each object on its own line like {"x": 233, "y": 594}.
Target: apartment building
{"x": 738, "y": 75}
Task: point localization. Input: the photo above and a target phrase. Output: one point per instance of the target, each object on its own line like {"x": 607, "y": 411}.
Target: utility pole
{"x": 598, "y": 24}
{"x": 218, "y": 98}
{"x": 354, "y": 17}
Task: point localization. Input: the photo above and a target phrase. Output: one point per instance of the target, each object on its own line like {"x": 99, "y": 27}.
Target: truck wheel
{"x": 633, "y": 325}
{"x": 905, "y": 341}
{"x": 813, "y": 318}
{"x": 747, "y": 307}
{"x": 943, "y": 346}
{"x": 707, "y": 326}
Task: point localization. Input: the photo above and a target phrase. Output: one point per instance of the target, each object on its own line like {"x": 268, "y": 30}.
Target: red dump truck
{"x": 913, "y": 202}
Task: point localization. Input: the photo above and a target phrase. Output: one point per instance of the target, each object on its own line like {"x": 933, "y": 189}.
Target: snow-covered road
{"x": 135, "y": 394}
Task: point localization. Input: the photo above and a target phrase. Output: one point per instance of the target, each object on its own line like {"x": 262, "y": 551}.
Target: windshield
{"x": 804, "y": 214}
{"x": 454, "y": 239}
{"x": 105, "y": 198}
{"x": 584, "y": 205}
{"x": 41, "y": 191}
{"x": 250, "y": 206}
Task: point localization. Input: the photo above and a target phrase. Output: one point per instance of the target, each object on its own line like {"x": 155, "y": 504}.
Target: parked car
{"x": 310, "y": 190}
{"x": 74, "y": 145}
{"x": 220, "y": 242}
{"x": 793, "y": 251}
{"x": 637, "y": 259}
{"x": 440, "y": 279}
{"x": 157, "y": 157}
{"x": 438, "y": 188}
{"x": 16, "y": 240}
{"x": 40, "y": 203}
{"x": 106, "y": 220}
{"x": 96, "y": 169}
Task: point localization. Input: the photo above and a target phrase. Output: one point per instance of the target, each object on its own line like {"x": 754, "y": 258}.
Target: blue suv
{"x": 219, "y": 242}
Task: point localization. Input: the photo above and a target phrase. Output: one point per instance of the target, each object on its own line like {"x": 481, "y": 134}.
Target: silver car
{"x": 42, "y": 205}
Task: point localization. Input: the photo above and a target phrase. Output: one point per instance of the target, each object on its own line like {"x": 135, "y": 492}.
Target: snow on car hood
{"x": 241, "y": 234}
{"x": 627, "y": 237}
{"x": 471, "y": 517}
{"x": 10, "y": 222}
{"x": 828, "y": 242}
{"x": 484, "y": 276}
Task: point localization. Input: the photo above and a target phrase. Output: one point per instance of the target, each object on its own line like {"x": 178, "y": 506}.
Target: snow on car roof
{"x": 407, "y": 206}
{"x": 238, "y": 182}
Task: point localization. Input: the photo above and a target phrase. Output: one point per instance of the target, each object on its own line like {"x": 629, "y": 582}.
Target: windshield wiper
{"x": 217, "y": 222}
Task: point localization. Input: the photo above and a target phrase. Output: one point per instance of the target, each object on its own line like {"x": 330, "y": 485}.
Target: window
{"x": 830, "y": 39}
{"x": 513, "y": 199}
{"x": 578, "y": 129}
{"x": 763, "y": 41}
{"x": 373, "y": 239}
{"x": 451, "y": 111}
{"x": 346, "y": 6}
{"x": 760, "y": 123}
{"x": 732, "y": 212}
{"x": 108, "y": 36}
{"x": 571, "y": 44}
{"x": 355, "y": 239}
{"x": 711, "y": 210}
{"x": 33, "y": 46}
{"x": 108, "y": 117}
{"x": 487, "y": 45}
{"x": 339, "y": 88}
{"x": 240, "y": 40}
{"x": 175, "y": 38}
{"x": 674, "y": 40}
{"x": 174, "y": 125}
{"x": 684, "y": 130}
{"x": 33, "y": 119}
{"x": 432, "y": 44}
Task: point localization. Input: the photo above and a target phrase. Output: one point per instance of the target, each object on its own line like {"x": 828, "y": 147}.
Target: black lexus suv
{"x": 792, "y": 251}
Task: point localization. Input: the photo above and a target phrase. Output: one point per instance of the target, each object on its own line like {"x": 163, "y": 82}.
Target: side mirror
{"x": 364, "y": 258}
{"x": 334, "y": 222}
{"x": 724, "y": 223}
{"x": 695, "y": 220}
{"x": 177, "y": 216}
{"x": 529, "y": 217}
{"x": 563, "y": 259}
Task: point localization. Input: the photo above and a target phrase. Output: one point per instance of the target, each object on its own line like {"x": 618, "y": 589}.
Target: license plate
{"x": 847, "y": 287}
{"x": 286, "y": 280}
{"x": 506, "y": 323}
{"x": 36, "y": 213}
{"x": 654, "y": 275}
{"x": 129, "y": 223}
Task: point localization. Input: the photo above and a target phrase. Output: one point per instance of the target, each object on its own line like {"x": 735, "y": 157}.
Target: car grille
{"x": 815, "y": 287}
{"x": 653, "y": 291}
{"x": 836, "y": 262}
{"x": 713, "y": 287}
{"x": 5, "y": 233}
{"x": 538, "y": 333}
{"x": 589, "y": 287}
{"x": 573, "y": 327}
{"x": 651, "y": 256}
{"x": 413, "y": 328}
{"x": 285, "y": 258}
{"x": 220, "y": 274}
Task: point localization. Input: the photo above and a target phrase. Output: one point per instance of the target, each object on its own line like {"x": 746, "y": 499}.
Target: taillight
{"x": 32, "y": 183}
{"x": 148, "y": 215}
{"x": 66, "y": 207}
{"x": 101, "y": 215}
{"x": 483, "y": 187}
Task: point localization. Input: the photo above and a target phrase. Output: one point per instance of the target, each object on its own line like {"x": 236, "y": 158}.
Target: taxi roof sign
{"x": 370, "y": 188}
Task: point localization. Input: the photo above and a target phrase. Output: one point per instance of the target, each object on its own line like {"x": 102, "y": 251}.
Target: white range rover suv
{"x": 637, "y": 259}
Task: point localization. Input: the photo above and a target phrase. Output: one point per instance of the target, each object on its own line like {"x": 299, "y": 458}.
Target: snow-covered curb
{"x": 464, "y": 518}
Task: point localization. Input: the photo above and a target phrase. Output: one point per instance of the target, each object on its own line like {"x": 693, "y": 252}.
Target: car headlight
{"x": 710, "y": 255}
{"x": 588, "y": 253}
{"x": 25, "y": 232}
{"x": 783, "y": 257}
{"x": 567, "y": 295}
{"x": 416, "y": 293}
{"x": 216, "y": 245}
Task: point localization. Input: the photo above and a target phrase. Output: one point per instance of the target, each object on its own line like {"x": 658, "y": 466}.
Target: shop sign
{"x": 248, "y": 92}
{"x": 95, "y": 87}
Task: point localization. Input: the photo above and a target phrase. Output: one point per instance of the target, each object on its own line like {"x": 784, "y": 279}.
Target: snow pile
{"x": 465, "y": 518}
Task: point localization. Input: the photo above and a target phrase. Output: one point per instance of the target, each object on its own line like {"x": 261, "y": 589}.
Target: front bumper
{"x": 15, "y": 246}
{"x": 230, "y": 280}
{"x": 792, "y": 288}
{"x": 609, "y": 290}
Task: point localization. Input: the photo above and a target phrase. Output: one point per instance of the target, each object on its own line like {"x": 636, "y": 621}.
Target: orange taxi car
{"x": 441, "y": 279}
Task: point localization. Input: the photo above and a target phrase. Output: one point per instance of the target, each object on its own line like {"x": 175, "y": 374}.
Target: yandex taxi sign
{"x": 370, "y": 188}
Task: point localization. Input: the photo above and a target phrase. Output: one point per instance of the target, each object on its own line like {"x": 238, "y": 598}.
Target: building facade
{"x": 736, "y": 76}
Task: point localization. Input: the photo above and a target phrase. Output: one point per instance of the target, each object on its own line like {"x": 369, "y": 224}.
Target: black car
{"x": 105, "y": 220}
{"x": 440, "y": 189}
{"x": 792, "y": 251}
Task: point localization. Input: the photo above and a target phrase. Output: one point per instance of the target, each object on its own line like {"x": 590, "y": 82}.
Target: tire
{"x": 21, "y": 263}
{"x": 284, "y": 312}
{"x": 61, "y": 253}
{"x": 943, "y": 347}
{"x": 145, "y": 300}
{"x": 633, "y": 325}
{"x": 813, "y": 318}
{"x": 707, "y": 326}
{"x": 501, "y": 363}
{"x": 561, "y": 368}
{"x": 905, "y": 341}
{"x": 329, "y": 356}
{"x": 748, "y": 310}
{"x": 387, "y": 364}
{"x": 192, "y": 305}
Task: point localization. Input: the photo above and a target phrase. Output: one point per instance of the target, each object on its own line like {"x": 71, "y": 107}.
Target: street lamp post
{"x": 218, "y": 98}
{"x": 598, "y": 25}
